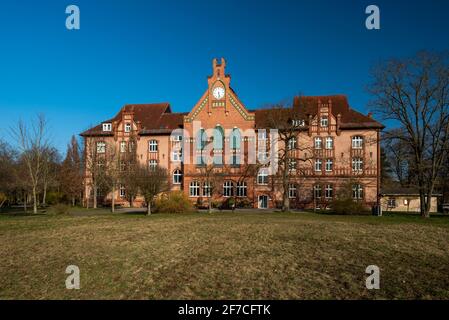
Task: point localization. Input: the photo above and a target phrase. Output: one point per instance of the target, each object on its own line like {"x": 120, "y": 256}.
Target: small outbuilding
{"x": 401, "y": 199}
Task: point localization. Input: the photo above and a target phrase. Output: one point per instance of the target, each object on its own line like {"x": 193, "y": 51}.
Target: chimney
{"x": 370, "y": 115}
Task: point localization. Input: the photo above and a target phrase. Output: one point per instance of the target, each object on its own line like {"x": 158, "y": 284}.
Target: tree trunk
{"x": 73, "y": 201}
{"x": 25, "y": 202}
{"x": 423, "y": 205}
{"x": 95, "y": 197}
{"x": 149, "y": 208}
{"x": 113, "y": 200}
{"x": 285, "y": 203}
{"x": 34, "y": 200}
{"x": 44, "y": 196}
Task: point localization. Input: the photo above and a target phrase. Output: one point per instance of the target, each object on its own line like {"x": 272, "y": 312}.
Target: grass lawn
{"x": 223, "y": 255}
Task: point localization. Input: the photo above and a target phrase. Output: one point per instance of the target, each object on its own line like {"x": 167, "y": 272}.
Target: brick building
{"x": 335, "y": 147}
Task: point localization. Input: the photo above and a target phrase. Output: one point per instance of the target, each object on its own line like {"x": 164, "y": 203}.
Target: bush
{"x": 54, "y": 197}
{"x": 173, "y": 202}
{"x": 59, "y": 208}
{"x": 348, "y": 207}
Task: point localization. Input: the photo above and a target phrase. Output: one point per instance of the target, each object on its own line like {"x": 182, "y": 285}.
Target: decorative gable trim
{"x": 240, "y": 109}
{"x": 197, "y": 111}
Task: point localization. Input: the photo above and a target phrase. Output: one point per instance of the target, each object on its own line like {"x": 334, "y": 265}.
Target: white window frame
{"x": 128, "y": 127}
{"x": 318, "y": 142}
{"x": 291, "y": 144}
{"x": 194, "y": 189}
{"x": 328, "y": 191}
{"x": 228, "y": 189}
{"x": 152, "y": 164}
{"x": 317, "y": 189}
{"x": 262, "y": 177}
{"x": 357, "y": 164}
{"x": 177, "y": 176}
{"x": 329, "y": 166}
{"x": 153, "y": 145}
{"x": 318, "y": 165}
{"x": 292, "y": 191}
{"x": 123, "y": 146}
{"x": 241, "y": 189}
{"x": 324, "y": 121}
{"x": 101, "y": 147}
{"x": 107, "y": 127}
{"x": 357, "y": 142}
{"x": 357, "y": 191}
{"x": 207, "y": 190}
{"x": 329, "y": 143}
{"x": 122, "y": 191}
{"x": 177, "y": 155}
{"x": 177, "y": 138}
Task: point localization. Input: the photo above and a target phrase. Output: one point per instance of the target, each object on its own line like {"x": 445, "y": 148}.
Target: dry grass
{"x": 232, "y": 256}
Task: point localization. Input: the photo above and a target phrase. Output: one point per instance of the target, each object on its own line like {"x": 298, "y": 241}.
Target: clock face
{"x": 218, "y": 93}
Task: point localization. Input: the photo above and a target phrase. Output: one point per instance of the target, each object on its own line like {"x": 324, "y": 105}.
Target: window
{"x": 324, "y": 121}
{"x": 122, "y": 191}
{"x": 292, "y": 191}
{"x": 177, "y": 155}
{"x": 152, "y": 145}
{"x": 328, "y": 191}
{"x": 153, "y": 164}
{"x": 318, "y": 143}
{"x": 329, "y": 143}
{"x": 122, "y": 165}
{"x": 194, "y": 189}
{"x": 127, "y": 127}
{"x": 177, "y": 138}
{"x": 107, "y": 127}
{"x": 101, "y": 147}
{"x": 357, "y": 164}
{"x": 262, "y": 134}
{"x": 201, "y": 139}
{"x": 298, "y": 123}
{"x": 123, "y": 146}
{"x": 228, "y": 189}
{"x": 241, "y": 189}
{"x": 405, "y": 202}
{"x": 262, "y": 177}
{"x": 329, "y": 165}
{"x": 357, "y": 142}
{"x": 292, "y": 144}
{"x": 218, "y": 138}
{"x": 291, "y": 164}
{"x": 235, "y": 139}
{"x": 207, "y": 190}
{"x": 235, "y": 160}
{"x": 131, "y": 145}
{"x": 318, "y": 165}
{"x": 317, "y": 191}
{"x": 391, "y": 203}
{"x": 357, "y": 191}
{"x": 177, "y": 177}
{"x": 262, "y": 156}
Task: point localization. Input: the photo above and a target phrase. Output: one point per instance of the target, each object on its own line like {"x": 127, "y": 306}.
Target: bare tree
{"x": 129, "y": 171}
{"x": 70, "y": 175}
{"x": 414, "y": 92}
{"x": 211, "y": 178}
{"x": 32, "y": 144}
{"x": 285, "y": 119}
{"x": 152, "y": 181}
{"x": 50, "y": 168}
{"x": 7, "y": 177}
{"x": 95, "y": 167}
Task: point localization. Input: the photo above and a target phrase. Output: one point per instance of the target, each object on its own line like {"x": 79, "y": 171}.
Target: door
{"x": 263, "y": 202}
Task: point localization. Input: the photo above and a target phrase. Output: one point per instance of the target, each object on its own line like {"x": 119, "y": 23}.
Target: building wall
{"x": 406, "y": 203}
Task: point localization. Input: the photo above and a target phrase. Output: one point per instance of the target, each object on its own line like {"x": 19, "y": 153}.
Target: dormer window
{"x": 107, "y": 127}
{"x": 324, "y": 122}
{"x": 127, "y": 127}
{"x": 298, "y": 123}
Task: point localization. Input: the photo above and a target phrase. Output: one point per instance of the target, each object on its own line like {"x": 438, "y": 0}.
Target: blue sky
{"x": 153, "y": 51}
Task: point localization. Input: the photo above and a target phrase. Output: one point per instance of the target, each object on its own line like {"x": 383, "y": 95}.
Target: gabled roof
{"x": 308, "y": 105}
{"x": 402, "y": 191}
{"x": 152, "y": 117}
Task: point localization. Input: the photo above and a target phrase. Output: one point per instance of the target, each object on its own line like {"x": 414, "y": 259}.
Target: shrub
{"x": 54, "y": 197}
{"x": 173, "y": 202}
{"x": 347, "y": 206}
{"x": 59, "y": 208}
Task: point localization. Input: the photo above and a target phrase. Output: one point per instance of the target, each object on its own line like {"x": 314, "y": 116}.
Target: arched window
{"x": 201, "y": 139}
{"x": 228, "y": 189}
{"x": 194, "y": 189}
{"x": 235, "y": 138}
{"x": 218, "y": 138}
{"x": 177, "y": 176}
